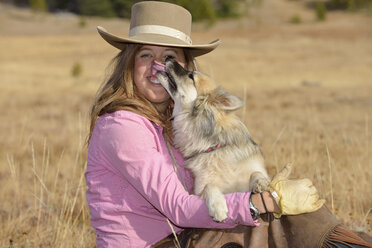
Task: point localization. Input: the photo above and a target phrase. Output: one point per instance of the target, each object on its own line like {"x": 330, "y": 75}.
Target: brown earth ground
{"x": 307, "y": 87}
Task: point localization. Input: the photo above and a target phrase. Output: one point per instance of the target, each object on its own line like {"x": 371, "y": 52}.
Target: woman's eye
{"x": 145, "y": 55}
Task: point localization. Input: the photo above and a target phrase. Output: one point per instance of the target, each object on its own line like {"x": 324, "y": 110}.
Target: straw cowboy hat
{"x": 159, "y": 23}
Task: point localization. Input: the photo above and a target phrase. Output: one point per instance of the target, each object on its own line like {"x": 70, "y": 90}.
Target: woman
{"x": 136, "y": 197}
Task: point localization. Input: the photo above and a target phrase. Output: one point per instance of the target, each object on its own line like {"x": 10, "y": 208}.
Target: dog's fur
{"x": 203, "y": 118}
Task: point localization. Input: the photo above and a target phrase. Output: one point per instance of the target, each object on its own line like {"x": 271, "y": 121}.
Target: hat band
{"x": 157, "y": 29}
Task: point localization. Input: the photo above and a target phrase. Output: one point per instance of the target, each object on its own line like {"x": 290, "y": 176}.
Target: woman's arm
{"x": 130, "y": 143}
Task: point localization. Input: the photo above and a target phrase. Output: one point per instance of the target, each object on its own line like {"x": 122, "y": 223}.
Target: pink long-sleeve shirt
{"x": 133, "y": 187}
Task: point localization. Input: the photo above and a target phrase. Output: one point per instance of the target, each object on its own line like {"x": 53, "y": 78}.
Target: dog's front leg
{"x": 258, "y": 182}
{"x": 216, "y": 202}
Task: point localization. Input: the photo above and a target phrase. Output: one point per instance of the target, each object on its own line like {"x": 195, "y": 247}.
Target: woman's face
{"x": 143, "y": 78}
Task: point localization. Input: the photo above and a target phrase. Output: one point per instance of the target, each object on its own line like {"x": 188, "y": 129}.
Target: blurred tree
{"x": 122, "y": 7}
{"x": 227, "y": 8}
{"x": 64, "y": 5}
{"x": 202, "y": 10}
{"x": 17, "y": 2}
{"x": 96, "y": 8}
{"x": 320, "y": 11}
{"x": 199, "y": 9}
{"x": 208, "y": 10}
{"x": 38, "y": 5}
{"x": 350, "y": 5}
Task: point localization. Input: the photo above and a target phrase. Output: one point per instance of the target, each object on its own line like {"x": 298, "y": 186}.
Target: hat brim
{"x": 158, "y": 40}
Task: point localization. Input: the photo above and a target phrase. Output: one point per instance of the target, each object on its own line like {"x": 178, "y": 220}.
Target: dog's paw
{"x": 260, "y": 185}
{"x": 217, "y": 207}
{"x": 218, "y": 210}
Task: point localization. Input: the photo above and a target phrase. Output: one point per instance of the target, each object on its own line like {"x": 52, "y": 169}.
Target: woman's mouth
{"x": 154, "y": 79}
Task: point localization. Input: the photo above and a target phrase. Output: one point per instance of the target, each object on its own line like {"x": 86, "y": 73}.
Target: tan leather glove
{"x": 294, "y": 196}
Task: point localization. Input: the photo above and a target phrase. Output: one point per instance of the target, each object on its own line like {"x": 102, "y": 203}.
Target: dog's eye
{"x": 169, "y": 57}
{"x": 191, "y": 76}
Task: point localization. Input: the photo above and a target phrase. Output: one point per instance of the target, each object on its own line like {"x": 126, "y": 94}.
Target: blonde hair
{"x": 120, "y": 93}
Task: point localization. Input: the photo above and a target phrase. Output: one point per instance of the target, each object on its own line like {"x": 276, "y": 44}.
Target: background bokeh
{"x": 304, "y": 69}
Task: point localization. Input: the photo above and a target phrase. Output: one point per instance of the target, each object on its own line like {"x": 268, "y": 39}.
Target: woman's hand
{"x": 294, "y": 196}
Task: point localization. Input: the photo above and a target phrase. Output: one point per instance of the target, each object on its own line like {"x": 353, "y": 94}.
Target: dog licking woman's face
{"x": 179, "y": 83}
{"x": 146, "y": 64}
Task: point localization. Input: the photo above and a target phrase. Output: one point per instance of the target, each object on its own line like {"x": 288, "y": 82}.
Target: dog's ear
{"x": 227, "y": 101}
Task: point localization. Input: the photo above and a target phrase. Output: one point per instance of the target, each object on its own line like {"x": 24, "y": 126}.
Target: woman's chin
{"x": 158, "y": 96}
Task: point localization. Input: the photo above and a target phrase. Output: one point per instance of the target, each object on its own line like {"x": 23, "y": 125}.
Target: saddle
{"x": 311, "y": 230}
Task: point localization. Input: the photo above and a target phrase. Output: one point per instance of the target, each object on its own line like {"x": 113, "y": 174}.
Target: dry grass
{"x": 308, "y": 101}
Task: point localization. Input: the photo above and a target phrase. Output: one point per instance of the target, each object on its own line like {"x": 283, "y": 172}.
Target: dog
{"x": 216, "y": 144}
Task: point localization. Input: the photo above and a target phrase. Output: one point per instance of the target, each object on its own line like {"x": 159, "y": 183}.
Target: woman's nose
{"x": 157, "y": 66}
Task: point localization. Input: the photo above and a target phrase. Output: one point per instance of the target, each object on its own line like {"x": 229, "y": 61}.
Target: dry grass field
{"x": 307, "y": 87}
